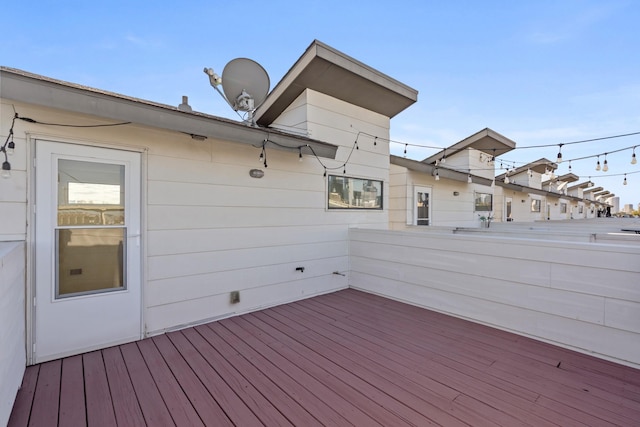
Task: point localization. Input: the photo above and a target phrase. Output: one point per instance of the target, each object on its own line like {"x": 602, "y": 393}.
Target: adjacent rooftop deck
{"x": 347, "y": 358}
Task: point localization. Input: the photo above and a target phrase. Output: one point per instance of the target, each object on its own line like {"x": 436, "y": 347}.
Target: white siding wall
{"x": 578, "y": 295}
{"x": 447, "y": 209}
{"x": 12, "y": 324}
{"x": 210, "y": 227}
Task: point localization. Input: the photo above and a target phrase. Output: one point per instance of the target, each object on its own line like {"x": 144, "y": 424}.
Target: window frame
{"x": 476, "y": 194}
{"x": 536, "y": 205}
{"x": 331, "y": 179}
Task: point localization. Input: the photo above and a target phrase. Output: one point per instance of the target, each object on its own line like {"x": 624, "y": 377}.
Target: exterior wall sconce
{"x": 256, "y": 173}
{"x": 456, "y": 193}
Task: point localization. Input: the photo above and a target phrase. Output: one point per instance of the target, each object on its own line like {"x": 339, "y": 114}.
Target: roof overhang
{"x": 568, "y": 177}
{"x": 34, "y": 89}
{"x": 583, "y": 185}
{"x": 488, "y": 141}
{"x": 443, "y": 173}
{"x": 326, "y": 70}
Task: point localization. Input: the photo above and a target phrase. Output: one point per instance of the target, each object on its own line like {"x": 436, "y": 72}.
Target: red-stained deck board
{"x": 384, "y": 359}
{"x": 72, "y": 403}
{"x": 99, "y": 404}
{"x": 208, "y": 409}
{"x": 358, "y": 390}
{"x": 155, "y": 383}
{"x": 21, "y": 410}
{"x": 255, "y": 402}
{"x": 125, "y": 401}
{"x": 46, "y": 398}
{"x": 346, "y": 358}
{"x": 286, "y": 404}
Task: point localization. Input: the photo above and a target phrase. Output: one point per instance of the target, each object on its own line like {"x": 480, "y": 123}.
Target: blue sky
{"x": 538, "y": 72}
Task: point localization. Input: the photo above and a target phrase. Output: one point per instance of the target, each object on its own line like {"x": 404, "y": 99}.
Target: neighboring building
{"x": 454, "y": 187}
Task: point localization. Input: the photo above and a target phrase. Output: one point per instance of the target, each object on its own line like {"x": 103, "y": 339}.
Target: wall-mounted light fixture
{"x": 456, "y": 193}
{"x": 256, "y": 173}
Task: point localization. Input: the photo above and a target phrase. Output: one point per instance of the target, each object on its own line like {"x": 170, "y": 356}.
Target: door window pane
{"x": 90, "y": 193}
{"x": 89, "y": 260}
{"x": 422, "y": 208}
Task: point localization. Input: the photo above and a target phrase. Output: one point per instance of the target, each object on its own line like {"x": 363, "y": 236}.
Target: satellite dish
{"x": 245, "y": 84}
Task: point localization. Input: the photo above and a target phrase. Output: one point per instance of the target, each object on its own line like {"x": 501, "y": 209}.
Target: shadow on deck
{"x": 346, "y": 358}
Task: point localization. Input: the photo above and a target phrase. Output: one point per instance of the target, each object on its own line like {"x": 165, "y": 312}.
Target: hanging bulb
{"x": 344, "y": 169}
{"x": 6, "y": 169}
{"x": 444, "y": 157}
{"x": 375, "y": 141}
{"x": 605, "y": 166}
{"x": 598, "y": 164}
{"x": 559, "y": 159}
{"x": 437, "y": 175}
{"x": 506, "y": 179}
{"x": 569, "y": 166}
{"x": 300, "y": 155}
{"x": 12, "y": 145}
{"x": 405, "y": 150}
{"x": 325, "y": 172}
{"x": 469, "y": 180}
{"x": 261, "y": 158}
{"x": 633, "y": 157}
{"x": 625, "y": 180}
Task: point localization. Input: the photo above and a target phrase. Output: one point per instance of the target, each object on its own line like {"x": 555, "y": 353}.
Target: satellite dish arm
{"x": 215, "y": 80}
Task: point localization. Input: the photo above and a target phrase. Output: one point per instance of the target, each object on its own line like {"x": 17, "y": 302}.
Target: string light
{"x": 559, "y": 159}
{"x": 605, "y": 166}
{"x": 625, "y": 180}
{"x": 437, "y": 175}
{"x": 7, "y": 149}
{"x": 444, "y": 156}
{"x": 633, "y": 157}
{"x": 300, "y": 154}
{"x": 405, "y": 149}
{"x": 469, "y": 180}
{"x": 569, "y": 166}
{"x": 598, "y": 164}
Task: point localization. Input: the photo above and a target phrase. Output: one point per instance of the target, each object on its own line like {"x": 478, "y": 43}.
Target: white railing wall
{"x": 12, "y": 324}
{"x": 579, "y": 295}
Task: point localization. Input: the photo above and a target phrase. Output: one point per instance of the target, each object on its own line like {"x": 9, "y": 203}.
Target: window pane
{"x": 90, "y": 193}
{"x": 89, "y": 260}
{"x": 484, "y": 202}
{"x": 423, "y": 208}
{"x": 354, "y": 193}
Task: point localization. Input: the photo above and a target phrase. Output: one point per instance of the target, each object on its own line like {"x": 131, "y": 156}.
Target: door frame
{"x": 414, "y": 204}
{"x": 30, "y": 290}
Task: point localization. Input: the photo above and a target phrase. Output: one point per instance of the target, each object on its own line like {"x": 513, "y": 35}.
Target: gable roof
{"x": 326, "y": 70}
{"x": 486, "y": 140}
{"x": 44, "y": 91}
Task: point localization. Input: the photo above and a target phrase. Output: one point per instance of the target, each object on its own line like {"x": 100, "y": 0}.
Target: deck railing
{"x": 12, "y": 324}
{"x": 580, "y": 295}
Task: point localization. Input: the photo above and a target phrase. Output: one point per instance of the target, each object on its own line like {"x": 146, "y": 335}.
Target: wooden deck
{"x": 347, "y": 358}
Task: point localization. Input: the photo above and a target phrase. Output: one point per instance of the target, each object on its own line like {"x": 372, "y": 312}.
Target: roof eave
{"x": 30, "y": 88}
{"x": 326, "y": 70}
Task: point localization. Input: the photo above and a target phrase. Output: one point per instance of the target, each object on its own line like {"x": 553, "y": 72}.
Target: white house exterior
{"x": 190, "y": 234}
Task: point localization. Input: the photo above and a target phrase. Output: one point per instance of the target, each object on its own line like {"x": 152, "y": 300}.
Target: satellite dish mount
{"x": 245, "y": 84}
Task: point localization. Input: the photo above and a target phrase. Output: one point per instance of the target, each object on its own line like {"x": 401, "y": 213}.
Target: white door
{"x": 422, "y": 206}
{"x": 87, "y": 249}
{"x": 508, "y": 214}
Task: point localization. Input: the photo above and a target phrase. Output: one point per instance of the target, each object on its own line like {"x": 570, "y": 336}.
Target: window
{"x": 484, "y": 202}
{"x": 354, "y": 193}
{"x": 422, "y": 206}
{"x": 580, "y": 209}
{"x": 563, "y": 208}
{"x": 535, "y": 205}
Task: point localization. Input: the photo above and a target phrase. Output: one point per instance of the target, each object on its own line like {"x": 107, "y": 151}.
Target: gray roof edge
{"x": 468, "y": 142}
{"x": 35, "y": 89}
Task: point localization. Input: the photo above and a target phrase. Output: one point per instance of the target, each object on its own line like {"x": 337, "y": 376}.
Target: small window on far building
{"x": 535, "y": 205}
{"x": 580, "y": 209}
{"x": 563, "y": 208}
{"x": 484, "y": 202}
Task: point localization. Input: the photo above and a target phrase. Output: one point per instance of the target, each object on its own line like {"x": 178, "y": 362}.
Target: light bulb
{"x": 469, "y": 180}
{"x": 605, "y": 167}
{"x": 598, "y": 165}
{"x": 625, "y": 180}
{"x": 633, "y": 158}
{"x": 12, "y": 145}
{"x": 6, "y": 170}
{"x": 437, "y": 176}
